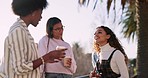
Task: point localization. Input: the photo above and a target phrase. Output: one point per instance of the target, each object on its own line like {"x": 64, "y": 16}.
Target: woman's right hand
{"x": 94, "y": 74}
{"x": 55, "y": 54}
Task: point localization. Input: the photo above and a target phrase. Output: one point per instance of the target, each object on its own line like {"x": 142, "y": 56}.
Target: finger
{"x": 63, "y": 49}
{"x": 69, "y": 61}
{"x": 63, "y": 53}
{"x": 95, "y": 69}
{"x": 60, "y": 59}
{"x": 56, "y": 61}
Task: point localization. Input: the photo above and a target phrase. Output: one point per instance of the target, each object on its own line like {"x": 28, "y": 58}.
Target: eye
{"x": 99, "y": 32}
{"x": 60, "y": 28}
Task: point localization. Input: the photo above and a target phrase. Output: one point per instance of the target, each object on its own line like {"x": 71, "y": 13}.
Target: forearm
{"x": 40, "y": 61}
{"x": 37, "y": 63}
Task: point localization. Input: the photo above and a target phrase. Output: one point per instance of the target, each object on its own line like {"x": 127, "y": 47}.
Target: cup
{"x": 60, "y": 47}
{"x": 66, "y": 60}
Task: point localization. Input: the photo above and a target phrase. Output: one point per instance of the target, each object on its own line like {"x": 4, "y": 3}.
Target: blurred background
{"x": 80, "y": 18}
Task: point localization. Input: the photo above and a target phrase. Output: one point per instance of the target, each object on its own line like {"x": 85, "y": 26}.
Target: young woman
{"x": 112, "y": 60}
{"x": 49, "y": 42}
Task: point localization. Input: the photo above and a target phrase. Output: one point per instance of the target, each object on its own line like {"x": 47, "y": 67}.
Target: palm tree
{"x": 140, "y": 27}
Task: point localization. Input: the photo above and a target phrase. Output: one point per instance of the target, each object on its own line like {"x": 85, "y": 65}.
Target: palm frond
{"x": 123, "y": 3}
{"x": 95, "y": 4}
{"x": 129, "y": 23}
{"x": 108, "y": 5}
{"x": 83, "y": 2}
{"x": 129, "y": 28}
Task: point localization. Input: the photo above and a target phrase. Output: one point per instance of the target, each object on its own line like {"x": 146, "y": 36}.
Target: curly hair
{"x": 113, "y": 42}
{"x": 26, "y": 7}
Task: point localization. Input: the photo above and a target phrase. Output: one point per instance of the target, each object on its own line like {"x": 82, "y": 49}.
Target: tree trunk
{"x": 142, "y": 25}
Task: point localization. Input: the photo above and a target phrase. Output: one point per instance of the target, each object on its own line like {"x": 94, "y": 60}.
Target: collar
{"x": 106, "y": 48}
{"x": 57, "y": 40}
{"x": 22, "y": 22}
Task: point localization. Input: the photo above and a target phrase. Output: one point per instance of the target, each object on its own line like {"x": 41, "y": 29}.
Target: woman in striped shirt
{"x": 20, "y": 53}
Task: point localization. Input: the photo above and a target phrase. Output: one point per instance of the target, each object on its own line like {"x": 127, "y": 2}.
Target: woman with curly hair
{"x": 112, "y": 59}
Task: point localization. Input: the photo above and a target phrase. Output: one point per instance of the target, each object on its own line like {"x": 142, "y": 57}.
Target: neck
{"x": 58, "y": 38}
{"x": 26, "y": 19}
{"x": 102, "y": 44}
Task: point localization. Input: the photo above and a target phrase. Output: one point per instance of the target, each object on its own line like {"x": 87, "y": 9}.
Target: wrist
{"x": 42, "y": 59}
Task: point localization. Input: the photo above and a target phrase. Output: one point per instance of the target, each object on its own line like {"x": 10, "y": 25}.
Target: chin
{"x": 35, "y": 25}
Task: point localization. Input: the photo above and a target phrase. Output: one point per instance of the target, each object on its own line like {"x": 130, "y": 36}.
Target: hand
{"x": 67, "y": 62}
{"x": 94, "y": 74}
{"x": 55, "y": 54}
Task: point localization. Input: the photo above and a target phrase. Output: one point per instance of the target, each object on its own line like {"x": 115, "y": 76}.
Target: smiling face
{"x": 57, "y": 31}
{"x": 101, "y": 36}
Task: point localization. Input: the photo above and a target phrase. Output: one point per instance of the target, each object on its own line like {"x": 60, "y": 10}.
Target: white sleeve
{"x": 42, "y": 50}
{"x": 120, "y": 61}
{"x": 42, "y": 47}
{"x": 73, "y": 65}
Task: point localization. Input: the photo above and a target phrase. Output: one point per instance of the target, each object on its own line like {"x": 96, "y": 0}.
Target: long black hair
{"x": 113, "y": 41}
{"x": 50, "y": 24}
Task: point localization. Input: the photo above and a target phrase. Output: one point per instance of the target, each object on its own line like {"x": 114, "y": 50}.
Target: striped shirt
{"x": 19, "y": 52}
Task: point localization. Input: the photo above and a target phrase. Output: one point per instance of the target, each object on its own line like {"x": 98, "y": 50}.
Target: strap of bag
{"x": 47, "y": 44}
{"x": 109, "y": 59}
{"x": 47, "y": 51}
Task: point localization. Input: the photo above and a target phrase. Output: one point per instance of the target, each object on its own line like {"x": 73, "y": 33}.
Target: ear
{"x": 108, "y": 36}
{"x": 33, "y": 14}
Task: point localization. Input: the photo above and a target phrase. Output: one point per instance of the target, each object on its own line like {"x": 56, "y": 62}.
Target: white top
{"x": 118, "y": 64}
{"x": 58, "y": 66}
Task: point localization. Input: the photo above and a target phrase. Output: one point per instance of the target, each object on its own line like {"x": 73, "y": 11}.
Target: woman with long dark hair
{"x": 112, "y": 59}
{"x": 49, "y": 42}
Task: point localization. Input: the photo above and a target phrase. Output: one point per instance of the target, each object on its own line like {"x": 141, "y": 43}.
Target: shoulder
{"x": 15, "y": 28}
{"x": 66, "y": 43}
{"x": 118, "y": 54}
{"x": 44, "y": 38}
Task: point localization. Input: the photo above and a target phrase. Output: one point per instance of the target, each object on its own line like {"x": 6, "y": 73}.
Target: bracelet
{"x": 42, "y": 60}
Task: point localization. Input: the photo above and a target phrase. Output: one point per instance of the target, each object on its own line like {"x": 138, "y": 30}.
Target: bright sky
{"x": 79, "y": 24}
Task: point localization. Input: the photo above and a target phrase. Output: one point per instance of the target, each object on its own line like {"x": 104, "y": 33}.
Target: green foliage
{"x": 129, "y": 23}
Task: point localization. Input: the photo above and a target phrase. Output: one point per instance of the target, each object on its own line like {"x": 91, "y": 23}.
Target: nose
{"x": 95, "y": 33}
{"x": 41, "y": 17}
